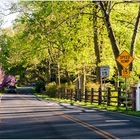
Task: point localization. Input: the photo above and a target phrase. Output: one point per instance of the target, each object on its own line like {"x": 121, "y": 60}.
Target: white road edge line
{"x": 117, "y": 120}
{"x": 128, "y": 115}
{"x": 1, "y": 98}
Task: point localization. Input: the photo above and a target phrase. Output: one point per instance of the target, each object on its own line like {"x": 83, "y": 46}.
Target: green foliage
{"x": 40, "y": 86}
{"x": 66, "y": 86}
{"x": 89, "y": 105}
{"x": 48, "y": 34}
{"x": 51, "y": 89}
{"x": 90, "y": 85}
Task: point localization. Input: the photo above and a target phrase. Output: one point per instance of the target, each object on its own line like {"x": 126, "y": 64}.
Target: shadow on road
{"x": 23, "y": 116}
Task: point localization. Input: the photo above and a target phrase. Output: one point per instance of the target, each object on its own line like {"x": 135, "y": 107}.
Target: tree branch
{"x": 68, "y": 18}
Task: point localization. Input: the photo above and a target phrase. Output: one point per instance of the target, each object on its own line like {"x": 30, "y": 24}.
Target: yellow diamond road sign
{"x": 125, "y": 59}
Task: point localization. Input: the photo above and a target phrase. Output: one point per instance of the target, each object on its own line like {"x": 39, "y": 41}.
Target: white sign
{"x": 104, "y": 71}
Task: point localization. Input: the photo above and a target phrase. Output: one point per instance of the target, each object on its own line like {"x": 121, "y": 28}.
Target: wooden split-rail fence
{"x": 107, "y": 97}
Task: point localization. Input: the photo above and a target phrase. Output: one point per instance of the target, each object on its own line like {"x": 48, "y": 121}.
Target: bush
{"x": 51, "y": 89}
{"x": 92, "y": 85}
{"x": 40, "y": 86}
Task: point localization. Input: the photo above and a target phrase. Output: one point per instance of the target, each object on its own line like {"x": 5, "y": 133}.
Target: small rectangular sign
{"x": 125, "y": 72}
{"x": 104, "y": 71}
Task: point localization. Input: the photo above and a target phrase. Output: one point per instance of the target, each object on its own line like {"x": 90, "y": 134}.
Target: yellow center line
{"x": 88, "y": 126}
{"x": 101, "y": 134}
{"x": 91, "y": 127}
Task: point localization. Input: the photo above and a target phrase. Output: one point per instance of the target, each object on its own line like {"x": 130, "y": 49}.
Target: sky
{"x": 7, "y": 18}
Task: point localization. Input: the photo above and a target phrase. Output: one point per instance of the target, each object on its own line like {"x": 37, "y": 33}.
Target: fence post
{"x": 71, "y": 91}
{"x": 75, "y": 95}
{"x": 119, "y": 94}
{"x": 100, "y": 96}
{"x": 108, "y": 96}
{"x": 133, "y": 98}
{"x": 64, "y": 91}
{"x": 86, "y": 95}
{"x": 80, "y": 95}
{"x": 57, "y": 94}
{"x": 61, "y": 93}
{"x": 92, "y": 94}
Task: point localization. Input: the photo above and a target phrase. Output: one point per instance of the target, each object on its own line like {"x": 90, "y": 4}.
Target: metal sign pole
{"x": 104, "y": 83}
{"x": 101, "y": 83}
{"x": 126, "y": 94}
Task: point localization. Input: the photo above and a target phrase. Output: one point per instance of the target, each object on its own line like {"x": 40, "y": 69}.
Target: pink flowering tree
{"x": 6, "y": 80}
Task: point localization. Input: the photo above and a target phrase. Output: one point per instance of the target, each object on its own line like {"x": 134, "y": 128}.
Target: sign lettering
{"x": 125, "y": 59}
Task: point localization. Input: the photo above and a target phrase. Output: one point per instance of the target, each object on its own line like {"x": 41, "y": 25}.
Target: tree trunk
{"x": 58, "y": 69}
{"x": 48, "y": 71}
{"x": 58, "y": 75}
{"x": 110, "y": 34}
{"x": 67, "y": 76}
{"x": 84, "y": 80}
{"x": 96, "y": 44}
{"x": 133, "y": 42}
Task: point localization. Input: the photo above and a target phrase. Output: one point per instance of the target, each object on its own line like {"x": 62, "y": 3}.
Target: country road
{"x": 23, "y": 116}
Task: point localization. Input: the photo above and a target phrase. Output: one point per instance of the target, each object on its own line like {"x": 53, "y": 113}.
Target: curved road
{"x": 23, "y": 116}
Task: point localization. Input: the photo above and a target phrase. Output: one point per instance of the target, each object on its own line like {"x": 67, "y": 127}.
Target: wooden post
{"x": 61, "y": 93}
{"x": 67, "y": 94}
{"x": 92, "y": 94}
{"x": 119, "y": 94}
{"x": 71, "y": 91}
{"x": 133, "y": 98}
{"x": 80, "y": 95}
{"x": 76, "y": 90}
{"x": 108, "y": 96}
{"x": 86, "y": 95}
{"x": 64, "y": 93}
{"x": 56, "y": 95}
{"x": 100, "y": 96}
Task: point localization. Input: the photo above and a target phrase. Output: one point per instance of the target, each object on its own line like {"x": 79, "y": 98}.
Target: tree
{"x": 133, "y": 42}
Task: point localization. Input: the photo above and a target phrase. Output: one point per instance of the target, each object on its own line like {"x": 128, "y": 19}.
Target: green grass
{"x": 89, "y": 105}
{"x": 1, "y": 93}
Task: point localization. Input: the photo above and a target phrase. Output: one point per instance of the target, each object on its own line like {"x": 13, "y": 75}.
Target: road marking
{"x": 117, "y": 120}
{"x": 91, "y": 127}
{"x": 1, "y": 98}
{"x": 127, "y": 115}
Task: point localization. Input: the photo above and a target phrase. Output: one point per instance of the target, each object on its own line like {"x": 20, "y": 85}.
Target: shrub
{"x": 66, "y": 86}
{"x": 40, "y": 86}
{"x": 51, "y": 89}
{"x": 92, "y": 85}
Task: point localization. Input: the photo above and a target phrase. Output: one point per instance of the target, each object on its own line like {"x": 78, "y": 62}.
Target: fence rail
{"x": 107, "y": 97}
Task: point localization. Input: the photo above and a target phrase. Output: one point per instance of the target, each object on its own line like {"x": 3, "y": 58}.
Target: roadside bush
{"x": 51, "y": 89}
{"x": 92, "y": 85}
{"x": 40, "y": 86}
{"x": 2, "y": 90}
{"x": 66, "y": 86}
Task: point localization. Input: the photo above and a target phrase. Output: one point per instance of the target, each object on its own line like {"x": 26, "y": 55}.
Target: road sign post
{"x": 125, "y": 59}
{"x": 104, "y": 72}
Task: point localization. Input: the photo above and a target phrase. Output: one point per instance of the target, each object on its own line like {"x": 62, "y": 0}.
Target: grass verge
{"x": 89, "y": 105}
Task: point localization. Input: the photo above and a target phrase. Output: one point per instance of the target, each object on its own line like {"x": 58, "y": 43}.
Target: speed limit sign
{"x": 104, "y": 71}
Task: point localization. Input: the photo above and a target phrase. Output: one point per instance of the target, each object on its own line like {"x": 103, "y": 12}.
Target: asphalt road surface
{"x": 23, "y": 116}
